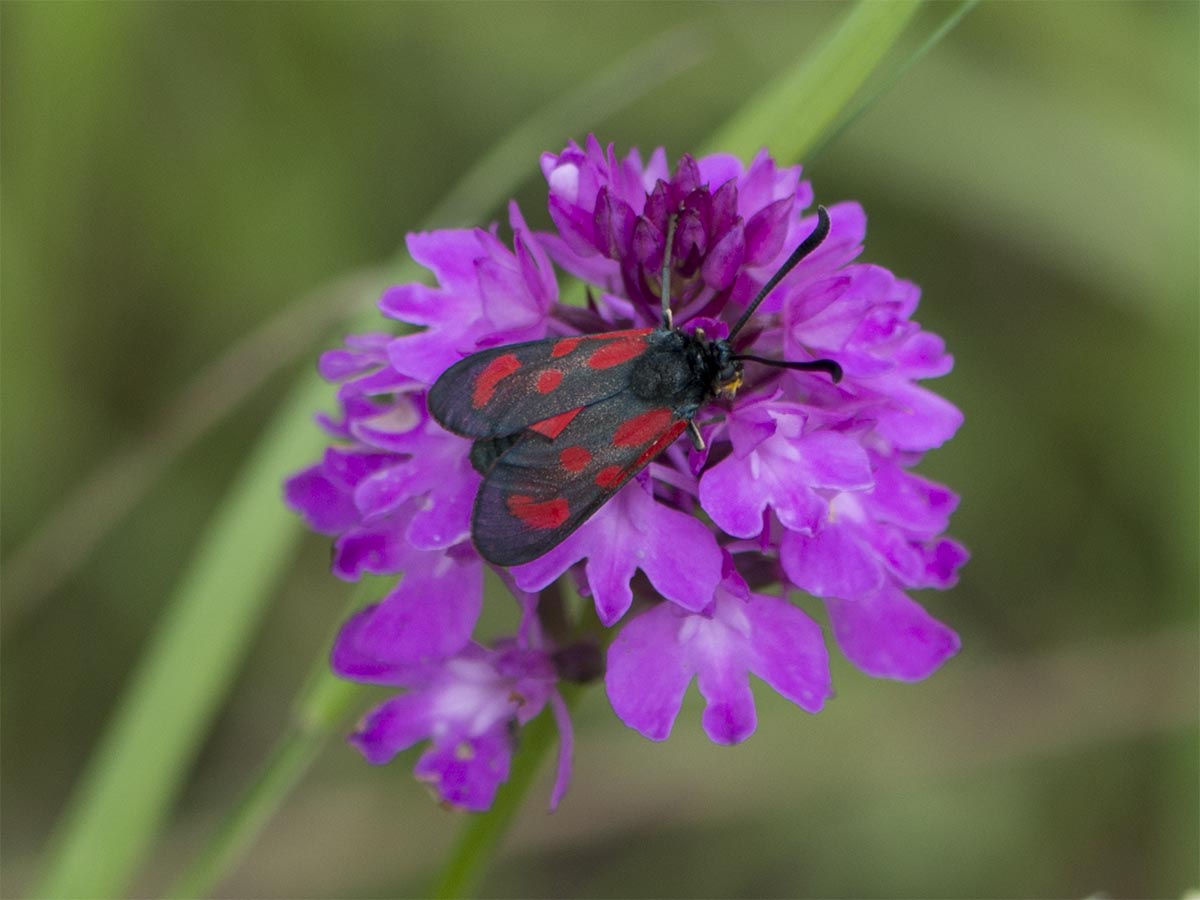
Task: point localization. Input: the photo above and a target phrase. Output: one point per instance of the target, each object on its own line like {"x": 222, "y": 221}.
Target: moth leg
{"x": 694, "y": 434}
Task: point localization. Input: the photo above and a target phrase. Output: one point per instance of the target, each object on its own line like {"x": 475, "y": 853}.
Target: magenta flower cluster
{"x": 804, "y": 485}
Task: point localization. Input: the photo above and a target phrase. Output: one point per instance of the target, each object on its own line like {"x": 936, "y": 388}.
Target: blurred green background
{"x": 176, "y": 175}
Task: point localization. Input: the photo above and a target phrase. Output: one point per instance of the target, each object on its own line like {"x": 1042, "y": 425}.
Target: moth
{"x": 560, "y": 425}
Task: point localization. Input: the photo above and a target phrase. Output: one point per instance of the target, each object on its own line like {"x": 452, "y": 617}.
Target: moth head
{"x": 728, "y": 369}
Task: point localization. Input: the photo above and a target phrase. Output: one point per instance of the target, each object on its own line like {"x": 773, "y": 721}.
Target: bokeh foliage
{"x": 175, "y": 174}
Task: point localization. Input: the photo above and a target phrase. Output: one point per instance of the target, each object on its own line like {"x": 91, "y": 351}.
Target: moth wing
{"x": 502, "y": 390}
{"x": 555, "y": 477}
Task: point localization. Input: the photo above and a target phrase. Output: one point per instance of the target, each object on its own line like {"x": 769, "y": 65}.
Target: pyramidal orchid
{"x": 792, "y": 485}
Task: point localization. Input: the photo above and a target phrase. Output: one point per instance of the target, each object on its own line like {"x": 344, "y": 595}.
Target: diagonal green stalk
{"x": 135, "y": 774}
{"x": 791, "y": 113}
{"x": 950, "y": 13}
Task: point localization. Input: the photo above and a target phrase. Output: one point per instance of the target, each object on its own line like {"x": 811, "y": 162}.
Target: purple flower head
{"x": 801, "y": 483}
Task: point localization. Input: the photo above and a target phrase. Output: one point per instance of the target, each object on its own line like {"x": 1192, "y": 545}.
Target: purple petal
{"x": 766, "y": 233}
{"x": 575, "y": 225}
{"x": 735, "y": 500}
{"x": 594, "y": 269}
{"x": 718, "y": 168}
{"x": 723, "y": 261}
{"x": 425, "y": 355}
{"x": 566, "y": 748}
{"x": 634, "y": 531}
{"x": 831, "y": 563}
{"x": 888, "y": 635}
{"x": 729, "y": 715}
{"x": 535, "y": 265}
{"x": 377, "y": 549}
{"x": 782, "y": 473}
{"x": 385, "y": 490}
{"x": 918, "y": 419}
{"x": 944, "y": 562}
{"x": 763, "y": 183}
{"x": 647, "y": 675}
{"x": 789, "y": 652}
{"x": 467, "y": 771}
{"x": 835, "y": 461}
{"x": 679, "y": 555}
{"x": 420, "y": 304}
{"x": 328, "y": 507}
{"x": 394, "y": 725}
{"x": 750, "y": 425}
{"x": 450, "y": 254}
{"x": 432, "y": 612}
{"x": 348, "y": 660}
{"x": 918, "y": 505}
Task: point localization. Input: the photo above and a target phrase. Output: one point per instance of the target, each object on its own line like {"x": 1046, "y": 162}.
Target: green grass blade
{"x": 949, "y": 14}
{"x": 793, "y": 113}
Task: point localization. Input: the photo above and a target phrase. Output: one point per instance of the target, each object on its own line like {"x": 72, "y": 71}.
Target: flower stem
{"x": 483, "y": 832}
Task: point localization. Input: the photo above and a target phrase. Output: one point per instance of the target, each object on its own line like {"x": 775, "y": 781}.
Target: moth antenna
{"x": 668, "y": 320}
{"x": 807, "y": 246}
{"x": 817, "y": 365}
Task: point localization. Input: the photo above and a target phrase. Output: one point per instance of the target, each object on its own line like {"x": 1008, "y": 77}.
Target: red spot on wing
{"x": 616, "y": 352}
{"x": 565, "y": 346}
{"x": 542, "y": 516}
{"x": 640, "y": 429}
{"x": 575, "y": 459}
{"x": 610, "y": 476}
{"x": 549, "y": 380}
{"x": 627, "y": 333}
{"x": 660, "y": 445}
{"x": 493, "y": 373}
{"x": 554, "y": 426}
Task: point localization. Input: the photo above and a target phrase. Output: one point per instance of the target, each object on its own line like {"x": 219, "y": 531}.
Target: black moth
{"x": 559, "y": 425}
